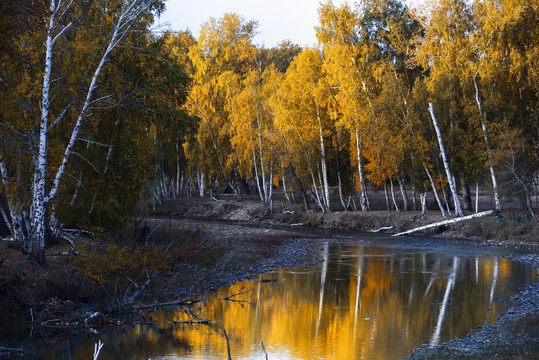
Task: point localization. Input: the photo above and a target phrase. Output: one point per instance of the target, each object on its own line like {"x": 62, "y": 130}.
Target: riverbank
{"x": 510, "y": 229}
{"x": 62, "y": 298}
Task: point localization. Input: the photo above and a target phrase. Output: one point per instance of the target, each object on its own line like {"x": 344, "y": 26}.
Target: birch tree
{"x": 61, "y": 26}
{"x": 303, "y": 115}
{"x": 224, "y": 53}
{"x": 349, "y": 72}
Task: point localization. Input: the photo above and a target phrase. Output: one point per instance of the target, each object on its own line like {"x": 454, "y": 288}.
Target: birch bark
{"x": 450, "y": 178}
{"x": 363, "y": 199}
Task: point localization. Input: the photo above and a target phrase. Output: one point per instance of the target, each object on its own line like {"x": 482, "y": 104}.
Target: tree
{"x": 68, "y": 25}
{"x": 223, "y": 54}
{"x": 350, "y": 71}
{"x": 301, "y": 111}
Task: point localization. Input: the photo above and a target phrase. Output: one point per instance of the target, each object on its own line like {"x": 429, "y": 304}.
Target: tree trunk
{"x": 404, "y": 194}
{"x": 466, "y": 194}
{"x": 286, "y": 195}
{"x": 38, "y": 207}
{"x": 446, "y": 222}
{"x": 305, "y": 200}
{"x": 201, "y": 184}
{"x": 491, "y": 167}
{"x": 388, "y": 205}
{"x": 414, "y": 201}
{"x": 450, "y": 178}
{"x": 324, "y": 167}
{"x": 393, "y": 195}
{"x": 436, "y": 196}
{"x": 423, "y": 200}
{"x": 476, "y": 197}
{"x": 363, "y": 199}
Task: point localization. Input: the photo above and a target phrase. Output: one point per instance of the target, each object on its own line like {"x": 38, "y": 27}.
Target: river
{"x": 378, "y": 299}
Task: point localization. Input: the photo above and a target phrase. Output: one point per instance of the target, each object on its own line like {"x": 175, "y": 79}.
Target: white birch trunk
{"x": 393, "y": 195}
{"x": 476, "y": 197}
{"x": 177, "y": 182}
{"x": 345, "y": 208}
{"x": 17, "y": 224}
{"x": 363, "y": 199}
{"x": 38, "y": 207}
{"x": 447, "y": 222}
{"x": 497, "y": 201}
{"x": 388, "y": 205}
{"x": 265, "y": 185}
{"x": 257, "y": 177}
{"x": 201, "y": 185}
{"x": 423, "y": 201}
{"x": 6, "y": 218}
{"x": 404, "y": 194}
{"x": 324, "y": 167}
{"x": 436, "y": 196}
{"x": 450, "y": 178}
{"x": 270, "y": 185}
{"x": 316, "y": 193}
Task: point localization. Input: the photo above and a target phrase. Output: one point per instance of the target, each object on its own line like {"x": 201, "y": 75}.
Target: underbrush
{"x": 120, "y": 267}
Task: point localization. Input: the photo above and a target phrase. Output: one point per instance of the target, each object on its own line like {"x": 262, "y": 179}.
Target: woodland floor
{"x": 60, "y": 295}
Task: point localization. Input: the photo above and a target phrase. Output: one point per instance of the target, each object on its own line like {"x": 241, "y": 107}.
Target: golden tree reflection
{"x": 361, "y": 302}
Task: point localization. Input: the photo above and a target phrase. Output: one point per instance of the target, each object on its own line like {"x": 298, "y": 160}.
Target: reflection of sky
{"x": 364, "y": 302}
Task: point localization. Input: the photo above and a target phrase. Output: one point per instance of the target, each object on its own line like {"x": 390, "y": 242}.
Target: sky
{"x": 278, "y": 20}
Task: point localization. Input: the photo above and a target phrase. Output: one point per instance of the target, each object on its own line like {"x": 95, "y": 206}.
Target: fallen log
{"x": 141, "y": 288}
{"x": 446, "y": 222}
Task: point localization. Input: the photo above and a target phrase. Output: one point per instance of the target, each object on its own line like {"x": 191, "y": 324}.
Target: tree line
{"x": 98, "y": 111}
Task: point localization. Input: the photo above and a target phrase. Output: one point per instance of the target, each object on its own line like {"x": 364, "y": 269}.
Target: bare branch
{"x": 88, "y": 161}
{"x": 61, "y": 32}
{"x": 57, "y": 120}
{"x": 95, "y": 142}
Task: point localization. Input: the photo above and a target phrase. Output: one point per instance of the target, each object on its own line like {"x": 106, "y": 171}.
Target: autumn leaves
{"x": 389, "y": 97}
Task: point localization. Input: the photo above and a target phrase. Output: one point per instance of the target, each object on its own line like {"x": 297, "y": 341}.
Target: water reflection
{"x": 359, "y": 302}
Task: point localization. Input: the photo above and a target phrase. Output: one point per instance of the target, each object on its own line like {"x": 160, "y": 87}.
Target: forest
{"x": 100, "y": 112}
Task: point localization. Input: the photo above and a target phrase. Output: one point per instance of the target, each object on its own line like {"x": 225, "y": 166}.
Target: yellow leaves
{"x": 105, "y": 262}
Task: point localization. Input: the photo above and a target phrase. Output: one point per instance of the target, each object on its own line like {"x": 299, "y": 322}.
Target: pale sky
{"x": 277, "y": 19}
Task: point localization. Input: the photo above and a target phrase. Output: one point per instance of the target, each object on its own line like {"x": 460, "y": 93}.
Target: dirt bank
{"x": 509, "y": 229}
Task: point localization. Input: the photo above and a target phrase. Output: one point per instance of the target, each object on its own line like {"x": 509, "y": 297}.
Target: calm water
{"x": 359, "y": 302}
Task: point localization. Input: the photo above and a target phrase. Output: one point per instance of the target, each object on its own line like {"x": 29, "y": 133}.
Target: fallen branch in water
{"x": 183, "y": 302}
{"x": 241, "y": 292}
{"x": 192, "y": 322}
{"x": 447, "y": 222}
{"x": 263, "y": 348}
{"x": 382, "y": 228}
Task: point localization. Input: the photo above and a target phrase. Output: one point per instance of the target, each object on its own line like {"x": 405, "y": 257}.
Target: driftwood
{"x": 382, "y": 228}
{"x": 179, "y": 302}
{"x": 229, "y": 298}
{"x": 447, "y": 222}
{"x": 141, "y": 288}
{"x": 193, "y": 322}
